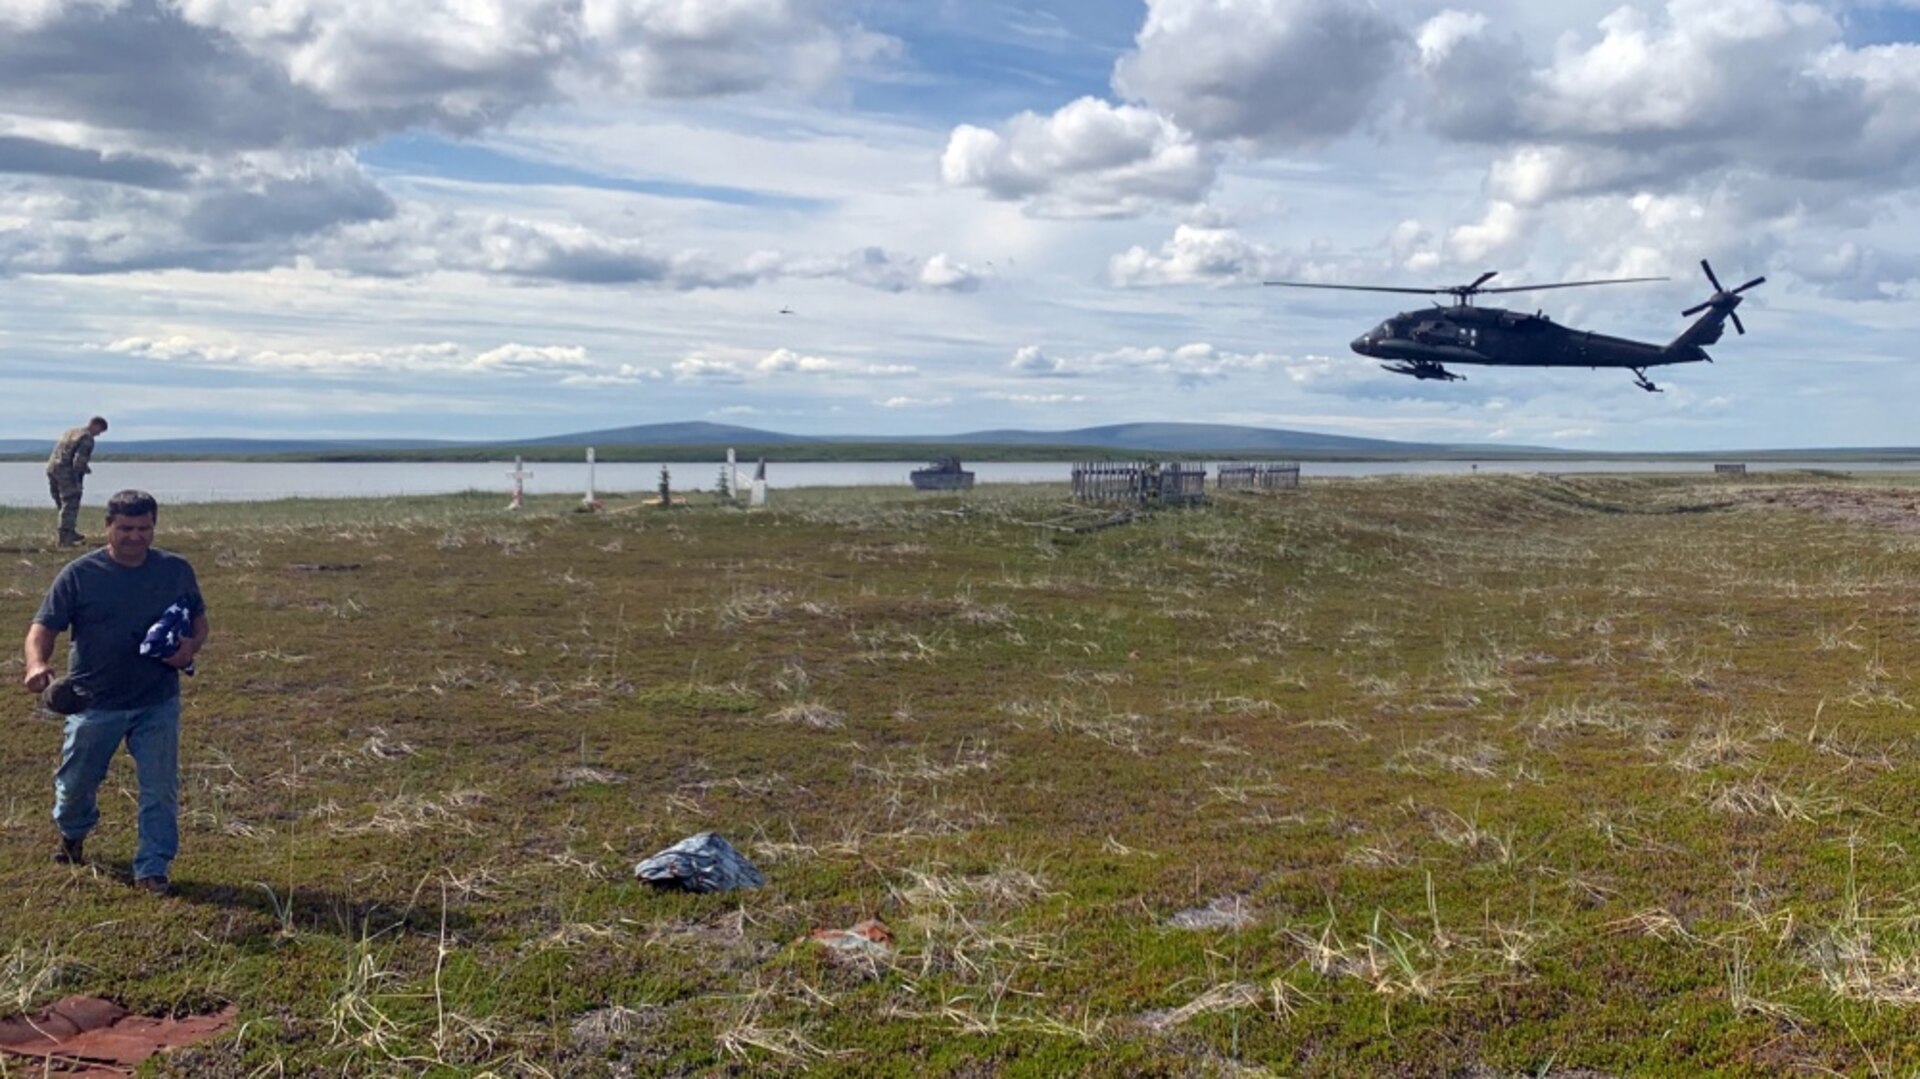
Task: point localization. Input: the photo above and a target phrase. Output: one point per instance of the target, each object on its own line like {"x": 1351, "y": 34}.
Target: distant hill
{"x": 671, "y": 434}
{"x": 1141, "y": 437}
{"x": 1193, "y": 438}
{"x": 691, "y": 438}
{"x": 1162, "y": 437}
{"x": 1172, "y": 438}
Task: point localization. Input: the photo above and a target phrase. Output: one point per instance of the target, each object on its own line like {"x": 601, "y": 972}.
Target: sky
{"x": 498, "y": 219}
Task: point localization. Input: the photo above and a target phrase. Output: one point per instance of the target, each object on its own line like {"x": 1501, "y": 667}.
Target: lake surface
{"x": 24, "y": 483}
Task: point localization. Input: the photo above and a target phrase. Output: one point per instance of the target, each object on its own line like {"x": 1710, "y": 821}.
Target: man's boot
{"x": 71, "y": 852}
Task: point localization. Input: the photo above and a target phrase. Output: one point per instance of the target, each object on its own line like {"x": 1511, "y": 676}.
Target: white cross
{"x": 520, "y": 473}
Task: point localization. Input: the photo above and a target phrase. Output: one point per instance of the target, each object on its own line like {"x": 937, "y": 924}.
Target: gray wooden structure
{"x": 942, "y": 475}
{"x": 1257, "y": 475}
{"x": 1730, "y": 470}
{"x": 1140, "y": 483}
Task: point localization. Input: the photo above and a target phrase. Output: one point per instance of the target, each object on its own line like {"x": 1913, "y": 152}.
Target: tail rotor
{"x": 1723, "y": 299}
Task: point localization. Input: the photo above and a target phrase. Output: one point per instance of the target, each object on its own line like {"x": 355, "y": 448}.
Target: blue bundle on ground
{"x": 700, "y": 863}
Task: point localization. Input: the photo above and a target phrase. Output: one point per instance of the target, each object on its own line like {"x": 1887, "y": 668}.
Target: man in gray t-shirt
{"x": 109, "y": 599}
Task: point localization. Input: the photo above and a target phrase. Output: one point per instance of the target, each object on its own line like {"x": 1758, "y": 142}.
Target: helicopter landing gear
{"x": 1640, "y": 380}
{"x": 1423, "y": 369}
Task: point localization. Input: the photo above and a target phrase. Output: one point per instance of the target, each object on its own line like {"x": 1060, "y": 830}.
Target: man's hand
{"x": 37, "y": 678}
{"x": 183, "y": 658}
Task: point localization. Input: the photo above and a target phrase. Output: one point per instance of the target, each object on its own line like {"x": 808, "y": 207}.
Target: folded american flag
{"x": 164, "y": 636}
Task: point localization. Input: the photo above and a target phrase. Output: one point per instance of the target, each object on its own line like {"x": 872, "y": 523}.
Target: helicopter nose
{"x": 1363, "y": 345}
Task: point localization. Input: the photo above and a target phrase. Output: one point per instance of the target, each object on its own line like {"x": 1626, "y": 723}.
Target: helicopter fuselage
{"x": 1491, "y": 336}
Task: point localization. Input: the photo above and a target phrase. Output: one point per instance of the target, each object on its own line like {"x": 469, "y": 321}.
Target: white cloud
{"x": 1473, "y": 75}
{"x": 1089, "y": 159}
{"x": 1439, "y": 35}
{"x": 734, "y": 365}
{"x": 1499, "y": 232}
{"x": 523, "y": 359}
{"x": 324, "y": 210}
{"x": 699, "y": 367}
{"x": 1411, "y": 246}
{"x": 1766, "y": 86}
{"x": 698, "y": 48}
{"x": 1036, "y": 398}
{"x": 878, "y": 268}
{"x": 1195, "y": 255}
{"x": 1858, "y": 270}
{"x": 1278, "y": 72}
{"x": 442, "y": 357}
{"x": 1188, "y": 365}
{"x": 783, "y": 361}
{"x": 23, "y": 15}
{"x": 240, "y": 73}
{"x": 1029, "y": 360}
{"x": 624, "y": 375}
{"x": 945, "y": 274}
{"x": 913, "y": 402}
{"x": 787, "y": 362}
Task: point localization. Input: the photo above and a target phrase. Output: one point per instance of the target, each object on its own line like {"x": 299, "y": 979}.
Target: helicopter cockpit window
{"x": 1385, "y": 329}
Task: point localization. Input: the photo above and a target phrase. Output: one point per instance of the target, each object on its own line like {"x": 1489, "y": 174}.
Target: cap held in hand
{"x": 66, "y": 697}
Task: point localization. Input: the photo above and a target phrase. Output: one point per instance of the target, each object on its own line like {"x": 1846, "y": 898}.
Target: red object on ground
{"x": 83, "y": 1037}
{"x": 871, "y": 937}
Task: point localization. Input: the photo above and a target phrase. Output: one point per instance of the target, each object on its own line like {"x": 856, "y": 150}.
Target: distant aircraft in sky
{"x": 786, "y": 310}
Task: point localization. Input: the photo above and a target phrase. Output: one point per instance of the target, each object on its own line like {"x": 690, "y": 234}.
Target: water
{"x": 24, "y": 483}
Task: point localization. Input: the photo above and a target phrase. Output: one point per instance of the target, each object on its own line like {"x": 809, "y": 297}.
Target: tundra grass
{"x": 1487, "y": 776}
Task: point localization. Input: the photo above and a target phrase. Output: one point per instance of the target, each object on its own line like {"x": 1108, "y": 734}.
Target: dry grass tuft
{"x": 1226, "y": 997}
{"x": 810, "y": 714}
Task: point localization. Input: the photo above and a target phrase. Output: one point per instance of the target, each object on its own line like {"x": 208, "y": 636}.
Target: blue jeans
{"x": 152, "y": 735}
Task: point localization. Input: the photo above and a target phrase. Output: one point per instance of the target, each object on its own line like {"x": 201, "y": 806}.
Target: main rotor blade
{"x": 1574, "y": 284}
{"x": 1481, "y": 280}
{"x": 1359, "y": 288}
{"x": 1710, "y": 277}
{"x": 1750, "y": 284}
{"x": 1736, "y": 323}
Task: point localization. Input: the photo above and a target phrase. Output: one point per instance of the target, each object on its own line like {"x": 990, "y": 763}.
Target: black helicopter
{"x": 1420, "y": 342}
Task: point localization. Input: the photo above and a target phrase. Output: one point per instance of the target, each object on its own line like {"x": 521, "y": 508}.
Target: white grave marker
{"x": 519, "y": 474}
{"x": 590, "y": 502}
{"x": 759, "y": 496}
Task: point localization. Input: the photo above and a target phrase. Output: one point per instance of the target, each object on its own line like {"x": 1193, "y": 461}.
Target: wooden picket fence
{"x": 1140, "y": 483}
{"x": 1257, "y": 475}
{"x": 1730, "y": 469}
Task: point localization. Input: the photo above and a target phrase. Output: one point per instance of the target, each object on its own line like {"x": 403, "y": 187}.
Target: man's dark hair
{"x": 131, "y": 503}
{"x": 98, "y": 421}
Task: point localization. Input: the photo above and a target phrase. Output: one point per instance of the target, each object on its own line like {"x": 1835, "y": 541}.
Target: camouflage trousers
{"x": 65, "y": 488}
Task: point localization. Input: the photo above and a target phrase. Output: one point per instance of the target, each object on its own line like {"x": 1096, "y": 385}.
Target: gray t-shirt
{"x": 110, "y": 607}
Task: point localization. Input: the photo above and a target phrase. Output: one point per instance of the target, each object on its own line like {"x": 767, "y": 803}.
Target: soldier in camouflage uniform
{"x": 67, "y": 469}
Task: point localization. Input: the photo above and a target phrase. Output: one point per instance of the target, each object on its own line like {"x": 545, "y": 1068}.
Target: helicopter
{"x": 1421, "y": 343}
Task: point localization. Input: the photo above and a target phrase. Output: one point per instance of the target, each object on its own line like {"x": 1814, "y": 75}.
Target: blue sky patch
{"x": 975, "y": 63}
{"x": 1881, "y": 26}
{"x": 429, "y": 155}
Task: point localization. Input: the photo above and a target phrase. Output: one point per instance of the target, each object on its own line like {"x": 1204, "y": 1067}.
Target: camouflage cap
{"x": 66, "y": 697}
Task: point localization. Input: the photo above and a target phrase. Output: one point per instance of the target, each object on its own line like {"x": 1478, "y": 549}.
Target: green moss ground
{"x": 1496, "y": 776}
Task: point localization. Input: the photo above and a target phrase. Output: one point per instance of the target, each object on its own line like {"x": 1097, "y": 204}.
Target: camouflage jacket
{"x": 72, "y": 452}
